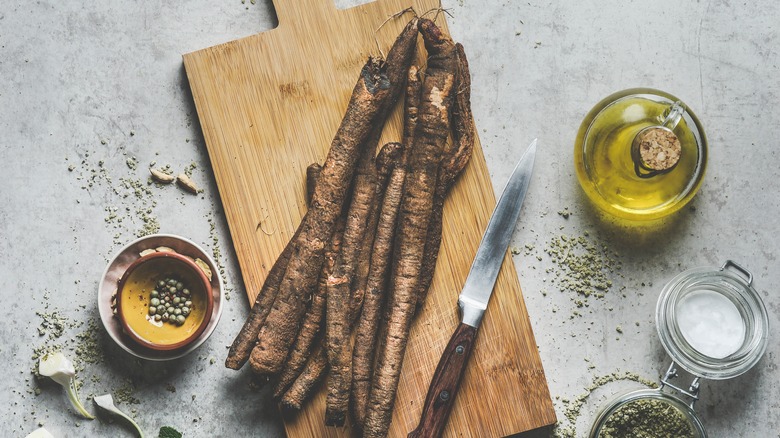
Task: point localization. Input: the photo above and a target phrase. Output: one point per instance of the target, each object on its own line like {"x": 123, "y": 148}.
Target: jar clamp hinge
{"x": 693, "y": 389}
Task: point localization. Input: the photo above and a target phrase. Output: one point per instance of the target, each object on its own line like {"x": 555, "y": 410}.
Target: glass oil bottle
{"x": 640, "y": 154}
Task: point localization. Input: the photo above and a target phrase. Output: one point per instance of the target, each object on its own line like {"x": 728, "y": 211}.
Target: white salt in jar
{"x": 712, "y": 322}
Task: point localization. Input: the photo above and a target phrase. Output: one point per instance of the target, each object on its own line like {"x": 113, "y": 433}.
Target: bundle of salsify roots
{"x": 341, "y": 297}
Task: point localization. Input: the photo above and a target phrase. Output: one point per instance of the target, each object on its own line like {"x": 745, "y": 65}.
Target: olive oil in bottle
{"x": 640, "y": 154}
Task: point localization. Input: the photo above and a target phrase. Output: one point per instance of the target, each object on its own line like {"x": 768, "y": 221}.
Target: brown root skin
{"x": 365, "y": 340}
{"x": 424, "y": 159}
{"x": 462, "y": 119}
{"x": 312, "y": 174}
{"x": 368, "y": 324}
{"x": 411, "y": 110}
{"x": 247, "y": 337}
{"x": 304, "y": 385}
{"x": 398, "y": 59}
{"x": 341, "y": 293}
{"x": 312, "y": 321}
{"x": 371, "y": 97}
{"x": 454, "y": 162}
{"x": 388, "y": 157}
{"x": 283, "y": 322}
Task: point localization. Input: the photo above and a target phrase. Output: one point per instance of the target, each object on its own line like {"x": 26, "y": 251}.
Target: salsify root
{"x": 452, "y": 165}
{"x": 431, "y": 134}
{"x": 283, "y": 321}
{"x": 359, "y": 219}
{"x": 312, "y": 321}
{"x": 366, "y": 330}
{"x": 247, "y": 337}
{"x": 306, "y": 382}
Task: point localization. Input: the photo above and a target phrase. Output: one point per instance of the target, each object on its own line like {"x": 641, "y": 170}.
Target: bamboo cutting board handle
{"x": 288, "y": 11}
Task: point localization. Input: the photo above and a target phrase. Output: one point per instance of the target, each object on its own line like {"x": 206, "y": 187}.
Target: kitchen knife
{"x": 473, "y": 300}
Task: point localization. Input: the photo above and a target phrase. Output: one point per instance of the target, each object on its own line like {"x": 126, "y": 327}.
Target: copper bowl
{"x": 133, "y": 296}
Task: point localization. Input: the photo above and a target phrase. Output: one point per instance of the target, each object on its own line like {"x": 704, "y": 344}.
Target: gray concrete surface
{"x": 88, "y": 82}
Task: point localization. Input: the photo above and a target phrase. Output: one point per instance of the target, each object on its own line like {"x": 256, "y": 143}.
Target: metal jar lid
{"x": 726, "y": 284}
{"x": 601, "y": 424}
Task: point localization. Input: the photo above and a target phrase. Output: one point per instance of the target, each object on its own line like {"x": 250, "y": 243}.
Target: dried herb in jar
{"x": 647, "y": 418}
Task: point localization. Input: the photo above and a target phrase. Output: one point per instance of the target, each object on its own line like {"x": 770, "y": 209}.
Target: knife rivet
{"x": 459, "y": 349}
{"x": 444, "y": 395}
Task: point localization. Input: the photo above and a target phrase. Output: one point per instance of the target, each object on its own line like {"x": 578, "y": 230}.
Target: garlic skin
{"x": 106, "y": 402}
{"x": 40, "y": 433}
{"x": 60, "y": 369}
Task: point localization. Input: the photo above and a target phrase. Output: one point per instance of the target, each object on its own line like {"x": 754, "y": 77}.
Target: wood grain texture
{"x": 269, "y": 105}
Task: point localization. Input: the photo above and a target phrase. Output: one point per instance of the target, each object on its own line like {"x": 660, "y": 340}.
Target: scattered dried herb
{"x": 216, "y": 253}
{"x": 124, "y": 394}
{"x": 89, "y": 344}
{"x": 190, "y": 168}
{"x": 582, "y": 267}
{"x": 52, "y": 324}
{"x": 130, "y": 203}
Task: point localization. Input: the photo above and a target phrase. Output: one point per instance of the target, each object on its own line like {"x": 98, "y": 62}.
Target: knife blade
{"x": 473, "y": 300}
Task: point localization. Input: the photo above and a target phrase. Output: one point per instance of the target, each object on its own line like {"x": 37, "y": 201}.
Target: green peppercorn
{"x": 169, "y": 301}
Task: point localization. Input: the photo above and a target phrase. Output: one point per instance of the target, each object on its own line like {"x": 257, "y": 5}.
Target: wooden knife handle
{"x": 445, "y": 383}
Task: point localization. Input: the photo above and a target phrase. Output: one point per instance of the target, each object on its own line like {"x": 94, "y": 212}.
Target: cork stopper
{"x": 656, "y": 149}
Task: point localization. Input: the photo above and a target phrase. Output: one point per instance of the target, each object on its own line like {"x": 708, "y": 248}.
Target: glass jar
{"x": 714, "y": 325}
{"x": 640, "y": 154}
{"x": 728, "y": 292}
{"x": 684, "y": 411}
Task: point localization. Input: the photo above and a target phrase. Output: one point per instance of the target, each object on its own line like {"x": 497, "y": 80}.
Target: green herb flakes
{"x": 646, "y": 418}
{"x": 582, "y": 267}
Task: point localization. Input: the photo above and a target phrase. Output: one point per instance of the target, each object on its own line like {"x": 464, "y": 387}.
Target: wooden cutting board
{"x": 269, "y": 105}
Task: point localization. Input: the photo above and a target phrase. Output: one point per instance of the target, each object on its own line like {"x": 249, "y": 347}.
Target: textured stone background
{"x": 104, "y": 82}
